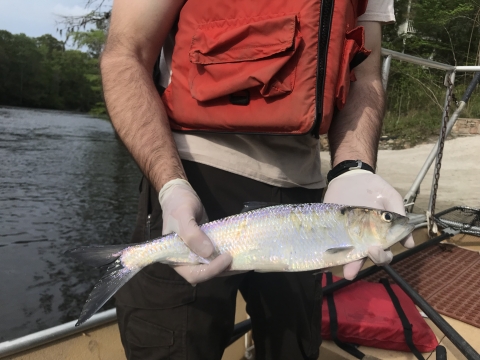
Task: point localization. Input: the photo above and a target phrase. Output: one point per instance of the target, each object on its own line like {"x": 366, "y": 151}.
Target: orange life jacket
{"x": 263, "y": 66}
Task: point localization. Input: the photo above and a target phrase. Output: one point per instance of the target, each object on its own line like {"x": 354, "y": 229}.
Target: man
{"x": 161, "y": 316}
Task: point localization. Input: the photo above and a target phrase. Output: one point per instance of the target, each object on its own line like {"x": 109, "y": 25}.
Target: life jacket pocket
{"x": 228, "y": 56}
{"x": 354, "y": 53}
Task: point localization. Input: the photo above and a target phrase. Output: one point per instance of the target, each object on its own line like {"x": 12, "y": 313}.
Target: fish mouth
{"x": 399, "y": 231}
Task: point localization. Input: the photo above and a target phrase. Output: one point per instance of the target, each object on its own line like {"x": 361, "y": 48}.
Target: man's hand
{"x": 363, "y": 188}
{"x": 182, "y": 212}
{"x": 354, "y": 134}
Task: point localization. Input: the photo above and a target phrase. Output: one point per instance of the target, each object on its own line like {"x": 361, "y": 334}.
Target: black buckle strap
{"x": 332, "y": 312}
{"x": 407, "y": 327}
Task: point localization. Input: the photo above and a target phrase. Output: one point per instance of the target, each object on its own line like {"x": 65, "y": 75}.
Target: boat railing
{"x": 55, "y": 333}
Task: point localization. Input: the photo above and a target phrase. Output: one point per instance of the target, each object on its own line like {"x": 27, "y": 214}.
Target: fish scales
{"x": 286, "y": 237}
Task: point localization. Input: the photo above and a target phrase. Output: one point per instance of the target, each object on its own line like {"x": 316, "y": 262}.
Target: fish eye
{"x": 386, "y": 216}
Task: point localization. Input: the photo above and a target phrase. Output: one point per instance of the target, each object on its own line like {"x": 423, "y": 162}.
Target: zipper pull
{"x": 147, "y": 227}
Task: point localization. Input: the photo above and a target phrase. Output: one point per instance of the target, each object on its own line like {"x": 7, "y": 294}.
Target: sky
{"x": 37, "y": 17}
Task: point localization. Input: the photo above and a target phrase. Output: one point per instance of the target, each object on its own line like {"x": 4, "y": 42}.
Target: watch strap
{"x": 346, "y": 166}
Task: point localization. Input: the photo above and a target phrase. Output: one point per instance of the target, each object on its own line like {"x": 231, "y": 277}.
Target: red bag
{"x": 366, "y": 316}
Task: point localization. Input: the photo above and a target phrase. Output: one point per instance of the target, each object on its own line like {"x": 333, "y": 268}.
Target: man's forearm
{"x": 355, "y": 130}
{"x": 139, "y": 118}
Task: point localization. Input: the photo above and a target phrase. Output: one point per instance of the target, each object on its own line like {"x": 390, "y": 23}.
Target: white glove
{"x": 182, "y": 211}
{"x": 363, "y": 188}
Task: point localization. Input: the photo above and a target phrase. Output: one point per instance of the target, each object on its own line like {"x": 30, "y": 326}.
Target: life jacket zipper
{"x": 326, "y": 15}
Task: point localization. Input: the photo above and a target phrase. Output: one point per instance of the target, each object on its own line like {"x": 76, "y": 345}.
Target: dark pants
{"x": 161, "y": 316}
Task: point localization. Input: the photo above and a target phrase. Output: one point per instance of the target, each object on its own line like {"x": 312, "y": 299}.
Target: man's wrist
{"x": 348, "y": 165}
{"x": 170, "y": 184}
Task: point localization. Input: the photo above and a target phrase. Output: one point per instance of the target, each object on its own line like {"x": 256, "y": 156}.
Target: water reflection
{"x": 65, "y": 181}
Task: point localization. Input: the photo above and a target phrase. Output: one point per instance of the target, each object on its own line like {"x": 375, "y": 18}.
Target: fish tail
{"x": 114, "y": 278}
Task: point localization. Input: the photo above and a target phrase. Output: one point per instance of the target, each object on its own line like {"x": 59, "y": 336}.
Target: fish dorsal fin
{"x": 339, "y": 249}
{"x": 254, "y": 205}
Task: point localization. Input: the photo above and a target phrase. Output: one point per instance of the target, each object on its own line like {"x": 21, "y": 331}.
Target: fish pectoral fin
{"x": 177, "y": 263}
{"x": 339, "y": 249}
{"x": 191, "y": 260}
{"x": 255, "y": 259}
{"x": 271, "y": 267}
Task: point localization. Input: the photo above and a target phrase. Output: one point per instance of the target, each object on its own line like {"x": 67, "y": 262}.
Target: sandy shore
{"x": 459, "y": 177}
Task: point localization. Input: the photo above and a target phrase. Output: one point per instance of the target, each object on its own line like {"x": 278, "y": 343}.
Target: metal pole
{"x": 418, "y": 61}
{"x": 239, "y": 330}
{"x": 473, "y": 84}
{"x": 386, "y": 71}
{"x": 467, "y": 68}
{"x": 438, "y": 320}
{"x": 441, "y": 353}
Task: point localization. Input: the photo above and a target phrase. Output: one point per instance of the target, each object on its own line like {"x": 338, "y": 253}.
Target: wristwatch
{"x": 348, "y": 165}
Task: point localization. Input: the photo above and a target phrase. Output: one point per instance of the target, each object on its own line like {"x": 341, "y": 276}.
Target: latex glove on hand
{"x": 363, "y": 188}
{"x": 182, "y": 211}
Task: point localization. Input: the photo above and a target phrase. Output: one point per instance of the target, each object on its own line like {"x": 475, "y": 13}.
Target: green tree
{"x": 39, "y": 72}
{"x": 75, "y": 87}
{"x": 6, "y": 40}
{"x": 23, "y": 63}
{"x": 50, "y": 75}
{"x": 447, "y": 29}
{"x": 93, "y": 40}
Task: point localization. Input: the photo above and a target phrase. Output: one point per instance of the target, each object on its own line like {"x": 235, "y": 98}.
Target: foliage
{"x": 99, "y": 17}
{"x": 446, "y": 31}
{"x": 40, "y": 73}
{"x": 93, "y": 40}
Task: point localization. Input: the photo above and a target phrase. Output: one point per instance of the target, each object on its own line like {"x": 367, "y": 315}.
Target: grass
{"x": 415, "y": 127}
{"x": 415, "y": 105}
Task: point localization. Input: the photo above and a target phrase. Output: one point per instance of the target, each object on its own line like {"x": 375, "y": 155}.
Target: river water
{"x": 65, "y": 181}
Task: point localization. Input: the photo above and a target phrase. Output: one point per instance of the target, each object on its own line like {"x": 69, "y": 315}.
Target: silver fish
{"x": 297, "y": 237}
